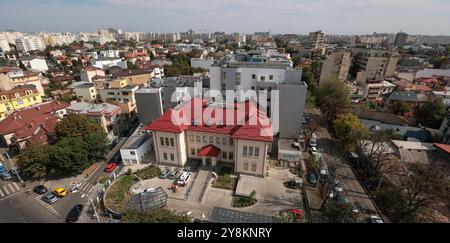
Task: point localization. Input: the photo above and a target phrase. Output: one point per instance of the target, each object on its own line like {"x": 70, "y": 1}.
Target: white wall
{"x": 179, "y": 158}
{"x": 260, "y": 161}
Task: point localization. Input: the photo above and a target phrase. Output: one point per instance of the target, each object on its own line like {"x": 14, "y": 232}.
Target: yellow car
{"x": 60, "y": 192}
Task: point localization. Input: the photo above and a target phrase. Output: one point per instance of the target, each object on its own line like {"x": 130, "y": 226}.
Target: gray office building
{"x": 149, "y": 104}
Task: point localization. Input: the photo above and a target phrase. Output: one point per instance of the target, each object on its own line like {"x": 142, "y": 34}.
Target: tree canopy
{"x": 337, "y": 212}
{"x": 332, "y": 95}
{"x": 431, "y": 113}
{"x": 349, "y": 130}
{"x": 79, "y": 143}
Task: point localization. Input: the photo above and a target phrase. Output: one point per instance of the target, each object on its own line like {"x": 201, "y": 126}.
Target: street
{"x": 22, "y": 205}
{"x": 333, "y": 155}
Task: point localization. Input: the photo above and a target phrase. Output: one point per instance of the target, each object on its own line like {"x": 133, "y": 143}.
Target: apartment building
{"x": 263, "y": 78}
{"x": 86, "y": 91}
{"x": 89, "y": 72}
{"x": 104, "y": 114}
{"x": 107, "y": 62}
{"x": 120, "y": 92}
{"x": 18, "y": 98}
{"x": 149, "y": 104}
{"x": 30, "y": 43}
{"x": 35, "y": 63}
{"x": 14, "y": 77}
{"x": 445, "y": 128}
{"x": 400, "y": 39}
{"x": 317, "y": 40}
{"x": 374, "y": 64}
{"x": 239, "y": 136}
{"x": 337, "y": 64}
{"x": 138, "y": 77}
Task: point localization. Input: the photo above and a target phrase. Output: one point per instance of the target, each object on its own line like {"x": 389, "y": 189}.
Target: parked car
{"x": 184, "y": 178}
{"x": 40, "y": 189}
{"x": 5, "y": 176}
{"x": 314, "y": 149}
{"x": 303, "y": 120}
{"x": 174, "y": 174}
{"x": 110, "y": 167}
{"x": 60, "y": 192}
{"x": 340, "y": 196}
{"x": 375, "y": 220}
{"x": 164, "y": 173}
{"x": 50, "y": 198}
{"x": 338, "y": 186}
{"x": 74, "y": 214}
{"x": 312, "y": 177}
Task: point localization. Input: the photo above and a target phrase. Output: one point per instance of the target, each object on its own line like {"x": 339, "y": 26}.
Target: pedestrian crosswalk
{"x": 8, "y": 188}
{"x": 46, "y": 205}
{"x": 86, "y": 187}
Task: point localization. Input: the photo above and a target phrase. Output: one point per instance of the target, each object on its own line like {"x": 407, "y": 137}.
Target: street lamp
{"x": 92, "y": 202}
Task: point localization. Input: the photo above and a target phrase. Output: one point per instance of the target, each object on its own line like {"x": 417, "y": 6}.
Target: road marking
{"x": 38, "y": 197}
{"x": 17, "y": 186}
{"x": 10, "y": 186}
{"x": 6, "y": 190}
{"x": 1, "y": 193}
{"x": 84, "y": 184}
{"x": 48, "y": 206}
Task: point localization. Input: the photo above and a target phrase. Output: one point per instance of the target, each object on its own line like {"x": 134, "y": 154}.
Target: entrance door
{"x": 208, "y": 161}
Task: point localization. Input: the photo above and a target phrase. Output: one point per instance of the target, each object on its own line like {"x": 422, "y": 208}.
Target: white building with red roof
{"x": 238, "y": 134}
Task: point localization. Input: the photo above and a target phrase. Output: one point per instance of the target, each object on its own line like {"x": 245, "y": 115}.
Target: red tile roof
{"x": 10, "y": 94}
{"x": 422, "y": 88}
{"x": 427, "y": 80}
{"x": 33, "y": 124}
{"x": 245, "y": 119}
{"x": 443, "y": 147}
{"x": 209, "y": 150}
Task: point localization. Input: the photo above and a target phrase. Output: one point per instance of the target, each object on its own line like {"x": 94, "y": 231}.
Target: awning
{"x": 209, "y": 150}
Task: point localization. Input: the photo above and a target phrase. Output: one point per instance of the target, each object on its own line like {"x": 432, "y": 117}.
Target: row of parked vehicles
{"x": 181, "y": 177}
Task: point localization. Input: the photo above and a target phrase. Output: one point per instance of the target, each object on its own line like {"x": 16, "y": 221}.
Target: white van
{"x": 184, "y": 178}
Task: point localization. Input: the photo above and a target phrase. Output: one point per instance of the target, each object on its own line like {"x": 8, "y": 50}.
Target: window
{"x": 244, "y": 151}
{"x": 253, "y": 166}
{"x": 172, "y": 157}
{"x": 205, "y": 139}
{"x": 245, "y": 166}
{"x": 165, "y": 156}
{"x": 198, "y": 138}
{"x": 162, "y": 141}
{"x": 231, "y": 155}
{"x": 132, "y": 153}
{"x": 224, "y": 141}
{"x": 237, "y": 78}
{"x": 256, "y": 151}
{"x": 250, "y": 151}
{"x": 17, "y": 95}
{"x": 198, "y": 151}
{"x": 211, "y": 139}
{"x": 172, "y": 143}
{"x": 217, "y": 140}
{"x": 270, "y": 77}
{"x": 253, "y": 76}
{"x": 224, "y": 75}
{"x": 20, "y": 102}
{"x": 263, "y": 78}
{"x": 167, "y": 142}
{"x": 224, "y": 155}
{"x": 191, "y": 138}
{"x": 192, "y": 151}
{"x": 231, "y": 141}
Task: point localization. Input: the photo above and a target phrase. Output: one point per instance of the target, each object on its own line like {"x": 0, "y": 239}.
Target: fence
{"x": 101, "y": 193}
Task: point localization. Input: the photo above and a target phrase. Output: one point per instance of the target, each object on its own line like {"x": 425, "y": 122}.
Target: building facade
{"x": 18, "y": 98}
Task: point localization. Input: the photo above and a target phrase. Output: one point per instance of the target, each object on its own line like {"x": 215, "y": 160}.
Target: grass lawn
{"x": 148, "y": 172}
{"x": 119, "y": 193}
{"x": 225, "y": 182}
{"x": 241, "y": 202}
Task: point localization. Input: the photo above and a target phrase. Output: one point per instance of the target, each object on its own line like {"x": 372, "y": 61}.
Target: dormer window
{"x": 17, "y": 95}
{"x": 3, "y": 97}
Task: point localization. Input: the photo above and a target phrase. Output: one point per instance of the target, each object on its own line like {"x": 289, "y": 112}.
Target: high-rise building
{"x": 30, "y": 43}
{"x": 400, "y": 39}
{"x": 337, "y": 65}
{"x": 317, "y": 39}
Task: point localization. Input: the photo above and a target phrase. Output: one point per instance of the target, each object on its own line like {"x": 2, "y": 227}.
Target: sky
{"x": 428, "y": 17}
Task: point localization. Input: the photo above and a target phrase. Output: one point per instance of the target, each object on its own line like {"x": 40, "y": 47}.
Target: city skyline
{"x": 331, "y": 16}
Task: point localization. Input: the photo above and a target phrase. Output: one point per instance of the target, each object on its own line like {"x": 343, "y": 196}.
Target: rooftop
{"x": 241, "y": 120}
{"x": 87, "y": 108}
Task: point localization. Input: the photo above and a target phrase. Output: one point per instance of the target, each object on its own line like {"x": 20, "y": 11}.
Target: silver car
{"x": 50, "y": 198}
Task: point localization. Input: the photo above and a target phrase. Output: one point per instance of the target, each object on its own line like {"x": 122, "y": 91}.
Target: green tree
{"x": 75, "y": 125}
{"x": 22, "y": 66}
{"x": 155, "y": 215}
{"x": 400, "y": 107}
{"x": 331, "y": 95}
{"x": 33, "y": 161}
{"x": 431, "y": 113}
{"x": 68, "y": 157}
{"x": 337, "y": 212}
{"x": 349, "y": 130}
